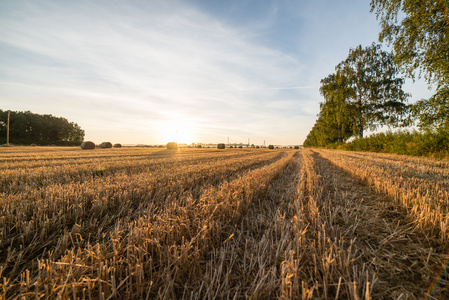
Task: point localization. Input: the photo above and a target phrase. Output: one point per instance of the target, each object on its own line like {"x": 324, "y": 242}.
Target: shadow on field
{"x": 398, "y": 253}
{"x": 165, "y": 153}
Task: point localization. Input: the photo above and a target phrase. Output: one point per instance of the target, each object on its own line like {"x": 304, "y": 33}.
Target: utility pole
{"x": 7, "y": 131}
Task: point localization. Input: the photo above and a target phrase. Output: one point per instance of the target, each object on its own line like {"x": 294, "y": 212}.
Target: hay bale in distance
{"x": 117, "y": 145}
{"x": 87, "y": 145}
{"x": 296, "y": 147}
{"x": 270, "y": 147}
{"x": 106, "y": 145}
{"x": 221, "y": 146}
{"x": 172, "y": 146}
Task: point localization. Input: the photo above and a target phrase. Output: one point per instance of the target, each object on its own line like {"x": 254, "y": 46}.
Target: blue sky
{"x": 151, "y": 72}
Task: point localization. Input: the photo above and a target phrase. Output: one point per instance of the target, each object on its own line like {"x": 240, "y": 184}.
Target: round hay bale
{"x": 257, "y": 147}
{"x": 117, "y": 145}
{"x": 296, "y": 147}
{"x": 172, "y": 146}
{"x": 221, "y": 146}
{"x": 106, "y": 145}
{"x": 270, "y": 147}
{"x": 87, "y": 145}
{"x": 240, "y": 147}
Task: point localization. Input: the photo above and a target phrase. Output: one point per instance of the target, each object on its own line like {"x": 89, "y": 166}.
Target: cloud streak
{"x": 165, "y": 57}
{"x": 114, "y": 66}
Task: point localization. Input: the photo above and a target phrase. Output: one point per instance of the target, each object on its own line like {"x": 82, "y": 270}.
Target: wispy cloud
{"x": 124, "y": 64}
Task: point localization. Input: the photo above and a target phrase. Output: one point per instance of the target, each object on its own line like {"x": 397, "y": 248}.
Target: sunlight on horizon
{"x": 179, "y": 131}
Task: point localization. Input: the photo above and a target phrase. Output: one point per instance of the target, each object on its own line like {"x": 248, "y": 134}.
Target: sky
{"x": 192, "y": 71}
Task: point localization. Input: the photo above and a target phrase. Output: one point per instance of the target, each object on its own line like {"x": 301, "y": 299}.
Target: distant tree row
{"x": 365, "y": 91}
{"x": 29, "y": 128}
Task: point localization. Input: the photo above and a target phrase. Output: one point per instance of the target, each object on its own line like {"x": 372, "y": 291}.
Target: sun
{"x": 181, "y": 132}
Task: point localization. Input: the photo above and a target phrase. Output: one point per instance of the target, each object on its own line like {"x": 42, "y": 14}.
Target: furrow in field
{"x": 14, "y": 160}
{"x": 427, "y": 201}
{"x": 120, "y": 154}
{"x": 31, "y": 154}
{"x": 53, "y": 199}
{"x": 16, "y": 180}
{"x": 166, "y": 247}
{"x": 405, "y": 168}
{"x": 250, "y": 261}
{"x": 64, "y": 161}
{"x": 390, "y": 258}
{"x": 322, "y": 263}
{"x": 406, "y": 159}
{"x": 40, "y": 216}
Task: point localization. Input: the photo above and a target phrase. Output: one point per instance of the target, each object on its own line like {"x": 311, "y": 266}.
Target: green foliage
{"x": 29, "y": 128}
{"x": 334, "y": 123}
{"x": 418, "y": 31}
{"x": 434, "y": 112}
{"x": 363, "y": 93}
{"x": 372, "y": 89}
{"x": 336, "y": 111}
{"x": 419, "y": 34}
{"x": 429, "y": 143}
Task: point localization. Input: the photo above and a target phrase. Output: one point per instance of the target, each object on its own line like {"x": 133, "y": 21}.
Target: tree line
{"x": 27, "y": 128}
{"x": 365, "y": 91}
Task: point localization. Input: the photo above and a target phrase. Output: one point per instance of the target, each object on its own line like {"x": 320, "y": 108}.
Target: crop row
{"x": 81, "y": 156}
{"x": 425, "y": 197}
{"x": 261, "y": 224}
{"x": 74, "y": 218}
{"x": 13, "y": 180}
{"x": 39, "y": 217}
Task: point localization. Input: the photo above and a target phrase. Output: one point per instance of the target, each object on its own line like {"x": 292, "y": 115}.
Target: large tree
{"x": 335, "y": 110}
{"x": 419, "y": 34}
{"x": 371, "y": 88}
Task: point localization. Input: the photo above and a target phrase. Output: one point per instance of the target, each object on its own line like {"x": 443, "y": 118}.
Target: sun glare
{"x": 181, "y": 132}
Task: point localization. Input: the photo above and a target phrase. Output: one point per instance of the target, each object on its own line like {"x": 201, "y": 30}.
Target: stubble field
{"x": 136, "y": 223}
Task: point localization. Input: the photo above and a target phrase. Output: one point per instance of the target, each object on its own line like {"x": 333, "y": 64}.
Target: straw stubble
{"x": 202, "y": 223}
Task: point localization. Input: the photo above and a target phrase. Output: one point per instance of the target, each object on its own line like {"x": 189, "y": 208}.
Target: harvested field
{"x": 136, "y": 223}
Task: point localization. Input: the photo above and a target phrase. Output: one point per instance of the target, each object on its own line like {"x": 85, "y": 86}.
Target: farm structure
{"x": 205, "y": 223}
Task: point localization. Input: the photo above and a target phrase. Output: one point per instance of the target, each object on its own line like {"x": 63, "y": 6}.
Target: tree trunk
{"x": 340, "y": 139}
{"x": 360, "y": 130}
{"x": 360, "y": 116}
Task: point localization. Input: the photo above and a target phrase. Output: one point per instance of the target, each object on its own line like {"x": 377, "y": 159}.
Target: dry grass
{"x": 135, "y": 223}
